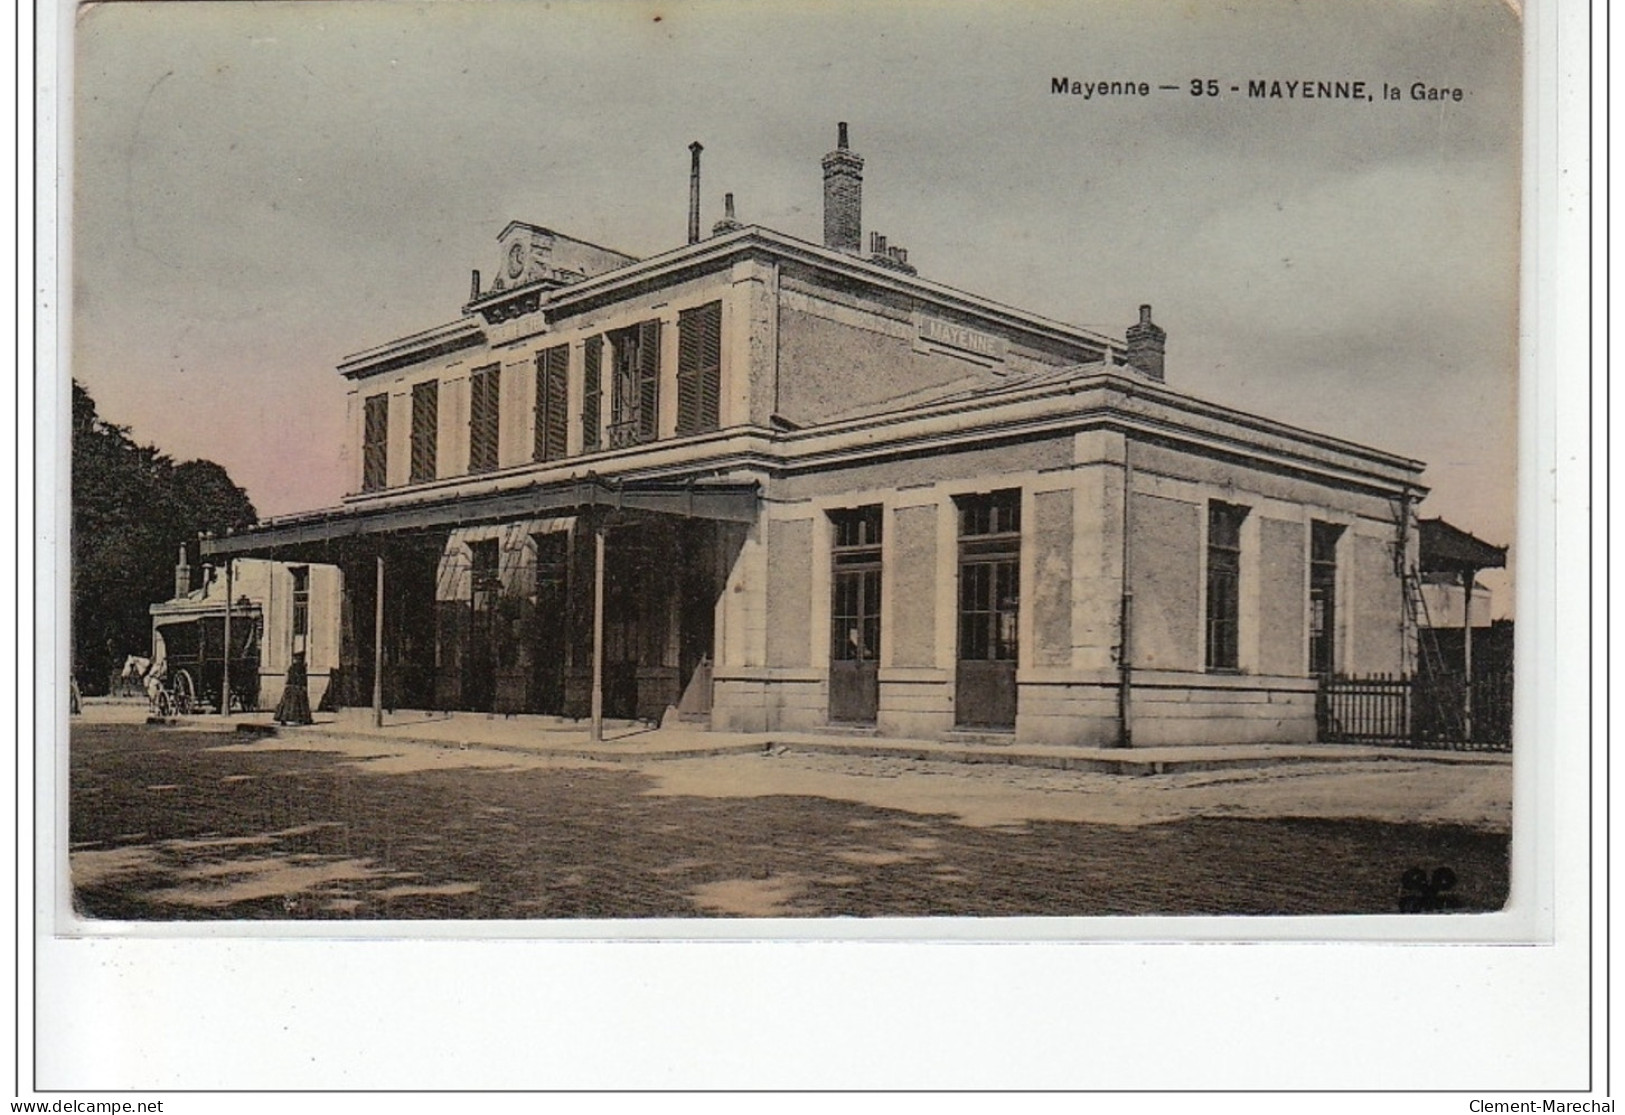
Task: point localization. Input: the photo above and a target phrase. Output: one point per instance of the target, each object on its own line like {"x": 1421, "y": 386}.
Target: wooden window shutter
{"x": 375, "y": 444}
{"x": 552, "y": 390}
{"x": 484, "y": 386}
{"x": 699, "y": 368}
{"x": 648, "y": 380}
{"x": 425, "y": 429}
{"x": 592, "y": 393}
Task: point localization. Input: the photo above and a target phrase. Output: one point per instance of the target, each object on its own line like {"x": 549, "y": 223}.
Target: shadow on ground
{"x": 170, "y": 825}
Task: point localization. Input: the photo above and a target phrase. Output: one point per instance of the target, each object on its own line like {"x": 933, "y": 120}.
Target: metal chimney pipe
{"x": 694, "y": 193}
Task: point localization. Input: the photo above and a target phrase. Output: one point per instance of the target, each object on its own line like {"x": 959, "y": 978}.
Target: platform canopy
{"x": 1443, "y": 548}
{"x": 733, "y": 503}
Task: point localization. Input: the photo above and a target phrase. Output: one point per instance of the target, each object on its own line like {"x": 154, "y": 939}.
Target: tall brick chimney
{"x": 843, "y": 197}
{"x": 1146, "y": 345}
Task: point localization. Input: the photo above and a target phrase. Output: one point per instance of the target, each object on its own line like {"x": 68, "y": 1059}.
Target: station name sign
{"x": 934, "y": 332}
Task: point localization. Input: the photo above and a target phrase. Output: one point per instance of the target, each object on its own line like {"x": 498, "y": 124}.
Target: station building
{"x": 764, "y": 484}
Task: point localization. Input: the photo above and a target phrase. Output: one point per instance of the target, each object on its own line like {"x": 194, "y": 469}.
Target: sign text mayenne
{"x": 936, "y": 331}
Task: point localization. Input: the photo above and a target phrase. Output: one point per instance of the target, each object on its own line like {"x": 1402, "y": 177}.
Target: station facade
{"x": 763, "y": 484}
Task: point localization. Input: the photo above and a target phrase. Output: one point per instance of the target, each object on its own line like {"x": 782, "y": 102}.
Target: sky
{"x": 260, "y": 190}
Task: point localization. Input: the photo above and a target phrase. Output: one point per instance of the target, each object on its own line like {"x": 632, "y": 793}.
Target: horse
{"x": 149, "y": 673}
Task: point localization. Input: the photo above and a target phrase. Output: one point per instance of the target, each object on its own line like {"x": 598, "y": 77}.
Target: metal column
{"x": 225, "y": 659}
{"x": 1467, "y": 579}
{"x": 597, "y": 731}
{"x": 378, "y": 648}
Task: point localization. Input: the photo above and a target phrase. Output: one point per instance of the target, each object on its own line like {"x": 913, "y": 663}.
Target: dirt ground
{"x": 175, "y": 824}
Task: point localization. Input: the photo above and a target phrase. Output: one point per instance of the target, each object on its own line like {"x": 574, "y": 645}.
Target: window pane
{"x": 1224, "y": 585}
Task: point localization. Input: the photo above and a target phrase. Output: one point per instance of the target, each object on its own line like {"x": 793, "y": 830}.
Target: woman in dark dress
{"x": 294, "y": 708}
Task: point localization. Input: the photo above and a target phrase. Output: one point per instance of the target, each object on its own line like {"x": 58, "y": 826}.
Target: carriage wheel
{"x": 185, "y": 693}
{"x": 164, "y": 705}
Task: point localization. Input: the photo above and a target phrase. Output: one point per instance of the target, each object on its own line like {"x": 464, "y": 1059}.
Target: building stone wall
{"x": 1283, "y": 597}
{"x": 789, "y": 607}
{"x": 912, "y": 556}
{"x": 1051, "y": 562}
{"x": 1166, "y": 556}
{"x": 837, "y": 356}
{"x": 1376, "y": 609}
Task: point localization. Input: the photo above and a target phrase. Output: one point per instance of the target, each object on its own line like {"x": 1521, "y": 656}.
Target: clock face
{"x": 516, "y": 260}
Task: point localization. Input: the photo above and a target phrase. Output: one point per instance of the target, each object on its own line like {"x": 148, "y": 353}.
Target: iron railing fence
{"x": 1428, "y": 711}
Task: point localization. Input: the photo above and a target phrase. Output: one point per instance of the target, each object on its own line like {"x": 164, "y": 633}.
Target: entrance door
{"x": 854, "y": 652}
{"x": 989, "y": 610}
{"x": 480, "y": 677}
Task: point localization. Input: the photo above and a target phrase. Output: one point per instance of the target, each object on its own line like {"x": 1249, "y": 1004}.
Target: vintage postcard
{"x": 919, "y": 469}
{"x": 1065, "y": 471}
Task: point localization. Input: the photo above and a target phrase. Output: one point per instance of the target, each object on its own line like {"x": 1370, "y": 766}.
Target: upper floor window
{"x": 375, "y": 443}
{"x": 425, "y": 429}
{"x": 635, "y": 402}
{"x": 699, "y": 368}
{"x": 552, "y": 394}
{"x": 484, "y": 416}
{"x": 1224, "y": 585}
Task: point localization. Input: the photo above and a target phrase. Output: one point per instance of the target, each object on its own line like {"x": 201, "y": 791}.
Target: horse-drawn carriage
{"x": 189, "y": 669}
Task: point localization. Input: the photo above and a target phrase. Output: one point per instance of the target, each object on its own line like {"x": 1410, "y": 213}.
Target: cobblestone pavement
{"x": 174, "y": 824}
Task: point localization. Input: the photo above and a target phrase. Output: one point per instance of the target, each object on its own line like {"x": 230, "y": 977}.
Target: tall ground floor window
{"x": 1224, "y": 585}
{"x": 989, "y": 609}
{"x": 1323, "y": 598}
{"x": 854, "y": 654}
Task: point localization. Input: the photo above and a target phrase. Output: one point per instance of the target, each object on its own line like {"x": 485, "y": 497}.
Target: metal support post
{"x": 597, "y": 732}
{"x": 1467, "y": 579}
{"x": 225, "y": 660}
{"x": 378, "y": 648}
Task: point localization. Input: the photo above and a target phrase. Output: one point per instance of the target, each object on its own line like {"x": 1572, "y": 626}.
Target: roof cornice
{"x": 754, "y": 239}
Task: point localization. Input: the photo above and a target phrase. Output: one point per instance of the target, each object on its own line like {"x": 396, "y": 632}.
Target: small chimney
{"x": 183, "y": 574}
{"x": 843, "y": 197}
{"x": 474, "y": 286}
{"x": 694, "y": 192}
{"x": 727, "y": 224}
{"x": 1146, "y": 343}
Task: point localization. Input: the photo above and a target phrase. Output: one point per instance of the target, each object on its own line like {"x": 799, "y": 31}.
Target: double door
{"x": 855, "y": 585}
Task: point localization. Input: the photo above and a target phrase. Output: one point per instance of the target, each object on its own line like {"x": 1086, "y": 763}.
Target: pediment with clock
{"x": 532, "y": 260}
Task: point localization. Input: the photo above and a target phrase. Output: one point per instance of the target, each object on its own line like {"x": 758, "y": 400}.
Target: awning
{"x": 1443, "y": 548}
{"x": 730, "y": 503}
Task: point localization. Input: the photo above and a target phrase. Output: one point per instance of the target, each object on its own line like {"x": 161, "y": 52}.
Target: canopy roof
{"x": 1448, "y": 549}
{"x": 725, "y": 502}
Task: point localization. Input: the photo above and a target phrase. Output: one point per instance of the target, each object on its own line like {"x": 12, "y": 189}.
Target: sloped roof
{"x": 1449, "y": 549}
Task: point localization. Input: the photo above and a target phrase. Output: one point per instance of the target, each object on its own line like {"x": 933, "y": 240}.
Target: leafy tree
{"x": 133, "y": 509}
